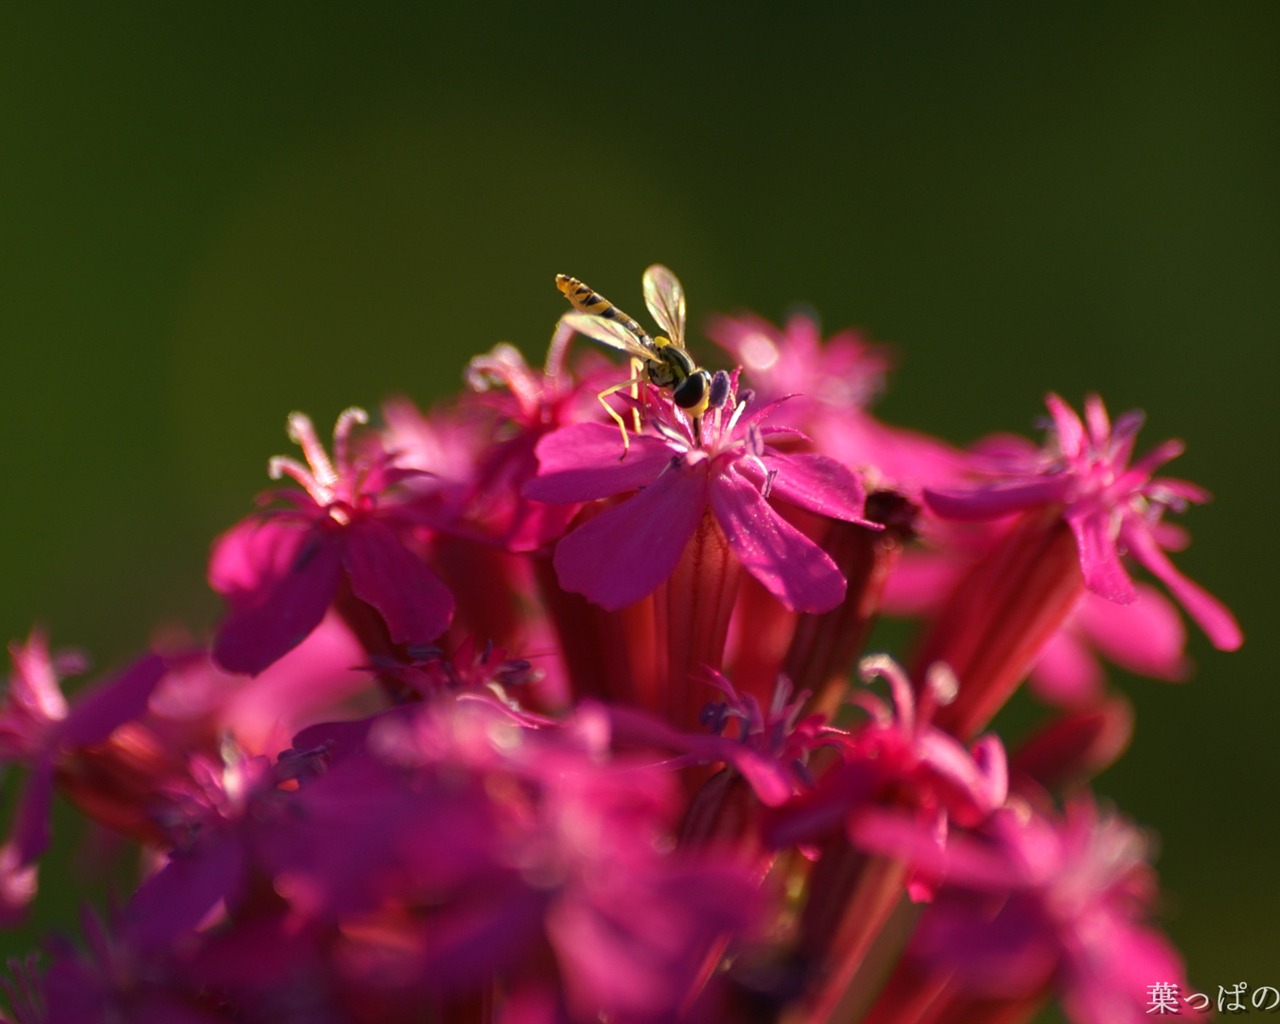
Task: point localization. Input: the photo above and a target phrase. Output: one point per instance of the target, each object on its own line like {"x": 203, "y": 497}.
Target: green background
{"x": 211, "y": 214}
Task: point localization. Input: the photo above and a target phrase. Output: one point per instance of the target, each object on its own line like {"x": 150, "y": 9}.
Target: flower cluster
{"x": 515, "y": 717}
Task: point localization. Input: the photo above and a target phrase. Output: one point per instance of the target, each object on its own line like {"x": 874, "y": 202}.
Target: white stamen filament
{"x": 302, "y": 432}
{"x": 348, "y": 419}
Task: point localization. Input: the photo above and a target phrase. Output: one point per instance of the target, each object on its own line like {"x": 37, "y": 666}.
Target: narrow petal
{"x": 585, "y": 461}
{"x": 96, "y": 713}
{"x": 785, "y": 561}
{"x": 1067, "y": 425}
{"x": 993, "y": 502}
{"x": 621, "y": 555}
{"x": 296, "y": 580}
{"x": 1211, "y": 615}
{"x": 31, "y": 828}
{"x": 1104, "y": 573}
{"x": 973, "y": 787}
{"x": 412, "y": 601}
{"x": 1095, "y": 414}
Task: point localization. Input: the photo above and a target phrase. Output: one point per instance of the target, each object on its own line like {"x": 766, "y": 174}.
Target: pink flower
{"x": 622, "y": 554}
{"x": 1113, "y": 507}
{"x": 39, "y": 729}
{"x": 472, "y": 457}
{"x": 281, "y": 571}
{"x": 833, "y": 383}
{"x": 1037, "y": 902}
{"x": 900, "y": 760}
{"x": 843, "y": 372}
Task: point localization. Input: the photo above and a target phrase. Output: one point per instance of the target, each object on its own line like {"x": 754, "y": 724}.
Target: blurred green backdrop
{"x": 211, "y": 214}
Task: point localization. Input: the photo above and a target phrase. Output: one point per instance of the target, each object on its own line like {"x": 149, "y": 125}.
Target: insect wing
{"x": 607, "y": 332}
{"x": 664, "y": 296}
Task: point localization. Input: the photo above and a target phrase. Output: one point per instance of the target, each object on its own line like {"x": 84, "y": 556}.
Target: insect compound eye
{"x": 680, "y": 361}
{"x": 689, "y": 393}
{"x": 719, "y": 391}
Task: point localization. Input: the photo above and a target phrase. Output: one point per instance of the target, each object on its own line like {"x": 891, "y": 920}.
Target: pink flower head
{"x": 281, "y": 571}
{"x": 769, "y": 749}
{"x": 900, "y": 762}
{"x": 623, "y": 553}
{"x": 472, "y": 456}
{"x": 1114, "y": 507}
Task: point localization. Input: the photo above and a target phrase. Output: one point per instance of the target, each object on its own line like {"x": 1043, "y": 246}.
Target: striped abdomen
{"x": 584, "y": 300}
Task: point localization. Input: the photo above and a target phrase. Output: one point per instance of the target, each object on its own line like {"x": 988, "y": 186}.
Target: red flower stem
{"x": 999, "y": 616}
{"x": 693, "y": 611}
{"x": 852, "y": 897}
{"x": 824, "y": 647}
{"x": 608, "y": 656}
{"x": 484, "y": 581}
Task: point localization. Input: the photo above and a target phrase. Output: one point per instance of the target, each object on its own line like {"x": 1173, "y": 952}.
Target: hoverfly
{"x": 662, "y": 361}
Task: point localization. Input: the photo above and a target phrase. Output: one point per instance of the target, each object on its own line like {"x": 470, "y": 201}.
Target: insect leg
{"x": 638, "y": 373}
{"x": 615, "y": 415}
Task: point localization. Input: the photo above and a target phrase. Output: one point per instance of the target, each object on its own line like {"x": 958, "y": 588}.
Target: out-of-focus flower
{"x": 1146, "y": 637}
{"x": 39, "y": 730}
{"x": 900, "y": 759}
{"x": 830, "y": 386}
{"x": 1036, "y": 902}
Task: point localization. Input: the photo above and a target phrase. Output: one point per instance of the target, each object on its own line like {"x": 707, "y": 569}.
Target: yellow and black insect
{"x": 662, "y": 361}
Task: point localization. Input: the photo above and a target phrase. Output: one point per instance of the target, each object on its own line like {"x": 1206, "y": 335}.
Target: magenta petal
{"x": 785, "y": 561}
{"x": 993, "y": 502}
{"x": 265, "y": 624}
{"x": 1147, "y": 637}
{"x": 31, "y": 829}
{"x": 96, "y": 713}
{"x": 622, "y": 554}
{"x": 1104, "y": 573}
{"x": 173, "y": 902}
{"x": 412, "y": 601}
{"x": 1109, "y": 977}
{"x": 1070, "y": 431}
{"x": 1211, "y": 615}
{"x": 251, "y": 555}
{"x": 584, "y": 461}
{"x": 817, "y": 483}
{"x": 466, "y": 942}
{"x": 974, "y": 783}
{"x": 1066, "y": 673}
